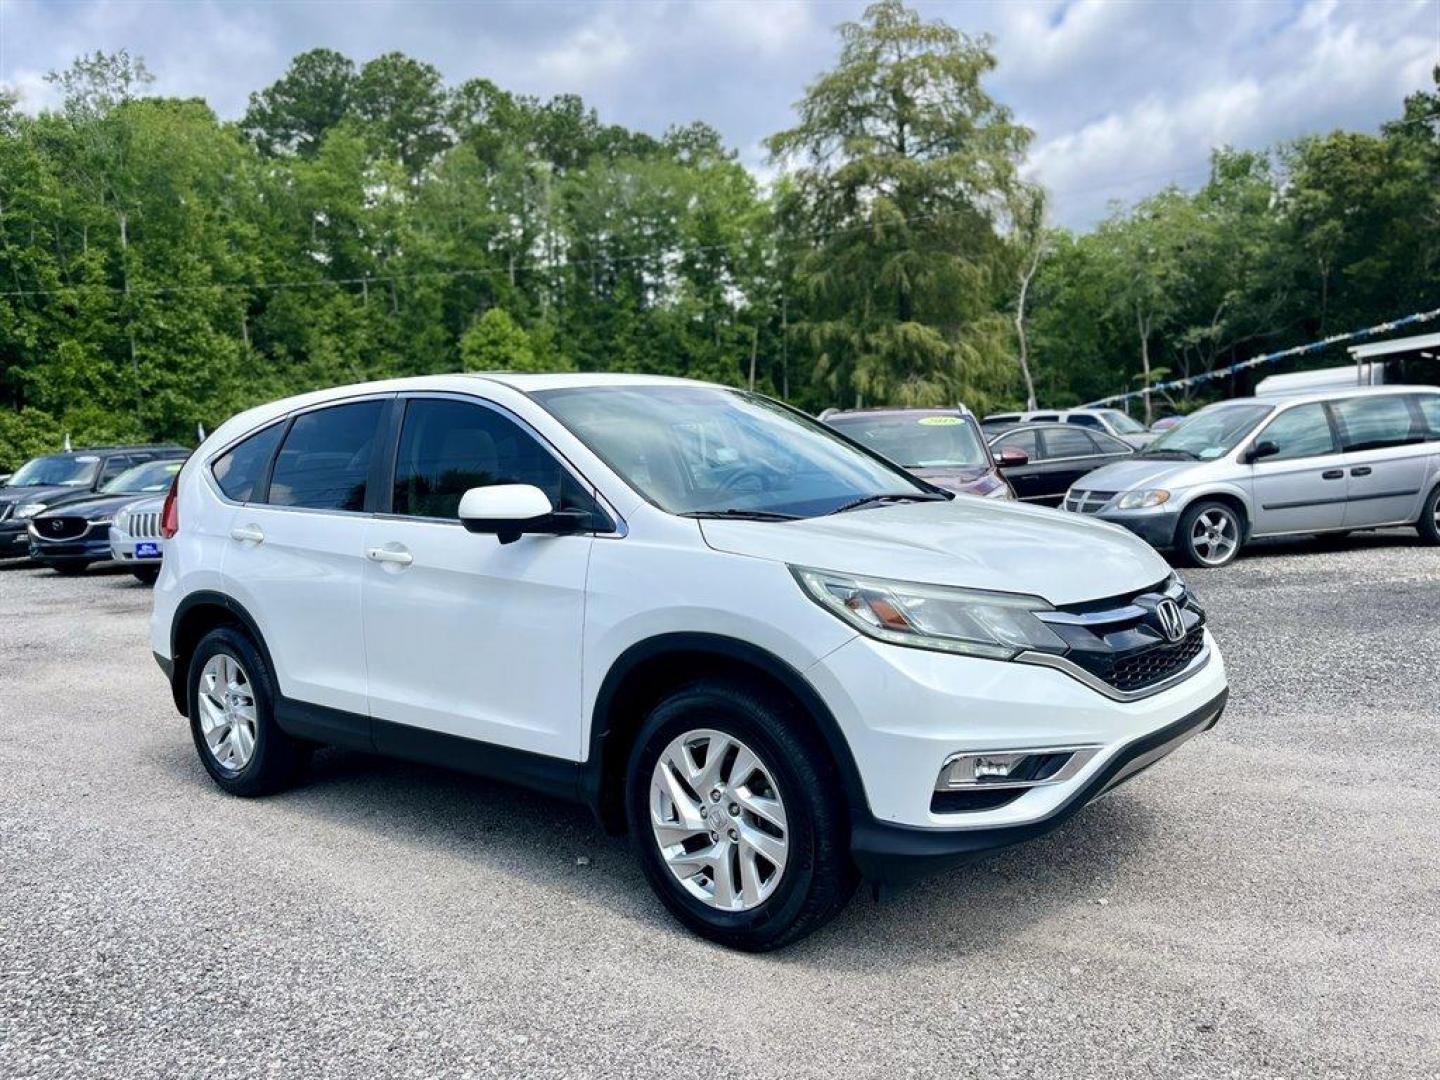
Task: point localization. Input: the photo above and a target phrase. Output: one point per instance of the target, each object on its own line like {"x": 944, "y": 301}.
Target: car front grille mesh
{"x": 1087, "y": 502}
{"x": 1138, "y": 670}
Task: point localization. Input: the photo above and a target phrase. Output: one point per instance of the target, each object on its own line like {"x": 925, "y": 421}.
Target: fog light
{"x": 1014, "y": 768}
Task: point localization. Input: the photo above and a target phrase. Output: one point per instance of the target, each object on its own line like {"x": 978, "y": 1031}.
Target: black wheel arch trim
{"x": 178, "y": 670}
{"x": 603, "y": 716}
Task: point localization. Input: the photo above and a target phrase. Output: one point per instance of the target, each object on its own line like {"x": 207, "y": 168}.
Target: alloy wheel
{"x": 719, "y": 820}
{"x": 227, "y": 712}
{"x": 1215, "y": 536}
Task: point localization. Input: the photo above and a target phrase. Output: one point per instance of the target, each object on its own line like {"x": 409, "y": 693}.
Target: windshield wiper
{"x": 742, "y": 515}
{"x": 1184, "y": 455}
{"x": 904, "y": 496}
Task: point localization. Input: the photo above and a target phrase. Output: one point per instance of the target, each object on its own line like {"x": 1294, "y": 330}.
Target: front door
{"x": 1301, "y": 487}
{"x": 1028, "y": 480}
{"x": 468, "y": 636}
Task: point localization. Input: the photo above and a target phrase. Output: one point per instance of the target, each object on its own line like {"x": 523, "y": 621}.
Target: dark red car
{"x": 943, "y": 446}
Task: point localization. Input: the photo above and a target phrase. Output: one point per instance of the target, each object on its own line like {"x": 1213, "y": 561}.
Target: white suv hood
{"x": 974, "y": 543}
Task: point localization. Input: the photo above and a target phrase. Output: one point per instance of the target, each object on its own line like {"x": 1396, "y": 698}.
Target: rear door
{"x": 1069, "y": 453}
{"x": 294, "y": 553}
{"x": 1386, "y": 457}
{"x": 1301, "y": 488}
{"x": 465, "y": 635}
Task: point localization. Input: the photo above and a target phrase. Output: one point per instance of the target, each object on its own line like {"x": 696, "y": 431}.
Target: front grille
{"x": 145, "y": 526}
{"x": 1087, "y": 502}
{"x": 1135, "y": 671}
{"x": 1122, "y": 641}
{"x": 61, "y": 528}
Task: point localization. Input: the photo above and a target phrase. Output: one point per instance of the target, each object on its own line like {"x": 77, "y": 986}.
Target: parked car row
{"x": 72, "y": 509}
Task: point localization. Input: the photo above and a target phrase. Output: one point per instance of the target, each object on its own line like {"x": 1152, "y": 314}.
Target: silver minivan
{"x": 1328, "y": 461}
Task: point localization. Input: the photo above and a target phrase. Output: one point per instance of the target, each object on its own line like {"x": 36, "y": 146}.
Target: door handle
{"x": 389, "y": 555}
{"x": 1332, "y": 474}
{"x": 247, "y": 534}
{"x": 1360, "y": 470}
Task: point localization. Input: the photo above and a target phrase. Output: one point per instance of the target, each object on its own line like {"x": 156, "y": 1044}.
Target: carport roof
{"x": 1394, "y": 345}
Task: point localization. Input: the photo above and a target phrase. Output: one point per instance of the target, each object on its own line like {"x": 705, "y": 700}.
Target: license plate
{"x": 147, "y": 551}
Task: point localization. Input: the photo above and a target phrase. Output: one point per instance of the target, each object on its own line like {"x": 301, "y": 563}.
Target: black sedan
{"x": 71, "y": 536}
{"x": 1056, "y": 455}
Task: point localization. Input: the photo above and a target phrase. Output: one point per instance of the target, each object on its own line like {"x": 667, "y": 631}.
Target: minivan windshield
{"x": 931, "y": 441}
{"x": 705, "y": 451}
{"x": 1210, "y": 433}
{"x": 153, "y": 476}
{"x": 61, "y": 470}
{"x": 1122, "y": 423}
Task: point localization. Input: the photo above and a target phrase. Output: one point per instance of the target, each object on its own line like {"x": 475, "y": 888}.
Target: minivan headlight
{"x": 972, "y": 622}
{"x": 1142, "y": 500}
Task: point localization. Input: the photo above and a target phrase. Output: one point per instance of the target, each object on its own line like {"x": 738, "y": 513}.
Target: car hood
{"x": 973, "y": 543}
{"x": 48, "y": 494}
{"x": 91, "y": 507}
{"x": 1140, "y": 441}
{"x": 1139, "y": 472}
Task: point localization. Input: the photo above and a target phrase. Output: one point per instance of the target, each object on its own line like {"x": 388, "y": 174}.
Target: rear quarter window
{"x": 242, "y": 467}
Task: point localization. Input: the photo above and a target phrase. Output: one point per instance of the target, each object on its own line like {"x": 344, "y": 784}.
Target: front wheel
{"x": 1209, "y": 534}
{"x": 1429, "y": 523}
{"x": 734, "y": 809}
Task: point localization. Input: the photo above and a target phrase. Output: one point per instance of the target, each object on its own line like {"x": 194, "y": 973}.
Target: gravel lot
{"x": 1266, "y": 903}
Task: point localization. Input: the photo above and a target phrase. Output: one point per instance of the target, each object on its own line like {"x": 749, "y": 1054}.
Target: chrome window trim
{"x": 1079, "y": 674}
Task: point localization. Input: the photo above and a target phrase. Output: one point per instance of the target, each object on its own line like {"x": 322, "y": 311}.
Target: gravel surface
{"x": 1264, "y": 904}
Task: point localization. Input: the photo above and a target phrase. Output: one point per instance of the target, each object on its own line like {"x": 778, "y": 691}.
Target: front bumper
{"x": 123, "y": 546}
{"x": 895, "y": 854}
{"x": 14, "y": 539}
{"x": 93, "y": 546}
{"x": 1156, "y": 528}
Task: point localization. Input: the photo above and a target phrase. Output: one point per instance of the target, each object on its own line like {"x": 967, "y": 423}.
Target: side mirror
{"x": 1011, "y": 458}
{"x": 510, "y": 510}
{"x": 1260, "y": 450}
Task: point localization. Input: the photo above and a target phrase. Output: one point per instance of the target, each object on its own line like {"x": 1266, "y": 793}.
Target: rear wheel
{"x": 232, "y": 717}
{"x": 733, "y": 808}
{"x": 1429, "y": 523}
{"x": 1209, "y": 534}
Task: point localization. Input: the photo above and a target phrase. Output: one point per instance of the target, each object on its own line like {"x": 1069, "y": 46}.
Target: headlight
{"x": 968, "y": 621}
{"x": 122, "y": 519}
{"x": 28, "y": 510}
{"x": 1142, "y": 500}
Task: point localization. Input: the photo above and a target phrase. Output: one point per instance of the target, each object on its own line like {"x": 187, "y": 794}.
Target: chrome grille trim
{"x": 1087, "y": 502}
{"x": 145, "y": 526}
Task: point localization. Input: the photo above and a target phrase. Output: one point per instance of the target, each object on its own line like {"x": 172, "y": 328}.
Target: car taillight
{"x": 170, "y": 515}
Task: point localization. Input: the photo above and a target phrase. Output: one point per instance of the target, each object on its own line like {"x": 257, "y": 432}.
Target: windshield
{"x": 153, "y": 476}
{"x": 918, "y": 442}
{"x": 1122, "y": 424}
{"x": 1210, "y": 433}
{"x": 707, "y": 450}
{"x": 62, "y": 470}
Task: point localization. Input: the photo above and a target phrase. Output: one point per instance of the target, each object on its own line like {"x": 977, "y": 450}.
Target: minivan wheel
{"x": 733, "y": 808}
{"x": 232, "y": 717}
{"x": 1429, "y": 523}
{"x": 1209, "y": 534}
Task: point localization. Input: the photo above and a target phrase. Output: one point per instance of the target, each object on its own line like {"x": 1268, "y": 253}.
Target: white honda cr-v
{"x": 781, "y": 662}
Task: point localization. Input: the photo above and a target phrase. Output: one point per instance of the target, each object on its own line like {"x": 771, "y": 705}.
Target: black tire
{"x": 146, "y": 575}
{"x": 277, "y": 758}
{"x": 1429, "y": 523}
{"x": 69, "y": 569}
{"x": 1187, "y": 553}
{"x": 818, "y": 875}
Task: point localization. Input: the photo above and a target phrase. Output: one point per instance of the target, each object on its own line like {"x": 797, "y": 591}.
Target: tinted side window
{"x": 1084, "y": 421}
{"x": 448, "y": 447}
{"x": 325, "y": 461}
{"x": 1108, "y": 444}
{"x": 1020, "y": 440}
{"x": 1430, "y": 410}
{"x": 1299, "y": 433}
{"x": 1368, "y": 423}
{"x": 1044, "y": 418}
{"x": 240, "y": 468}
{"x": 114, "y": 466}
{"x": 1066, "y": 443}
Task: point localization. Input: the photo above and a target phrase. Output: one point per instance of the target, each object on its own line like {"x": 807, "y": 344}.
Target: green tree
{"x": 495, "y": 342}
{"x": 293, "y": 114}
{"x": 902, "y": 166}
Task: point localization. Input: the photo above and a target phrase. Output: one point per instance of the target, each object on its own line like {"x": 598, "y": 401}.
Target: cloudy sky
{"x": 1123, "y": 95}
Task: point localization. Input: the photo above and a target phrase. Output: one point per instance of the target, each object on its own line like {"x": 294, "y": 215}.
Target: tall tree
{"x": 902, "y": 164}
{"x": 292, "y": 115}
